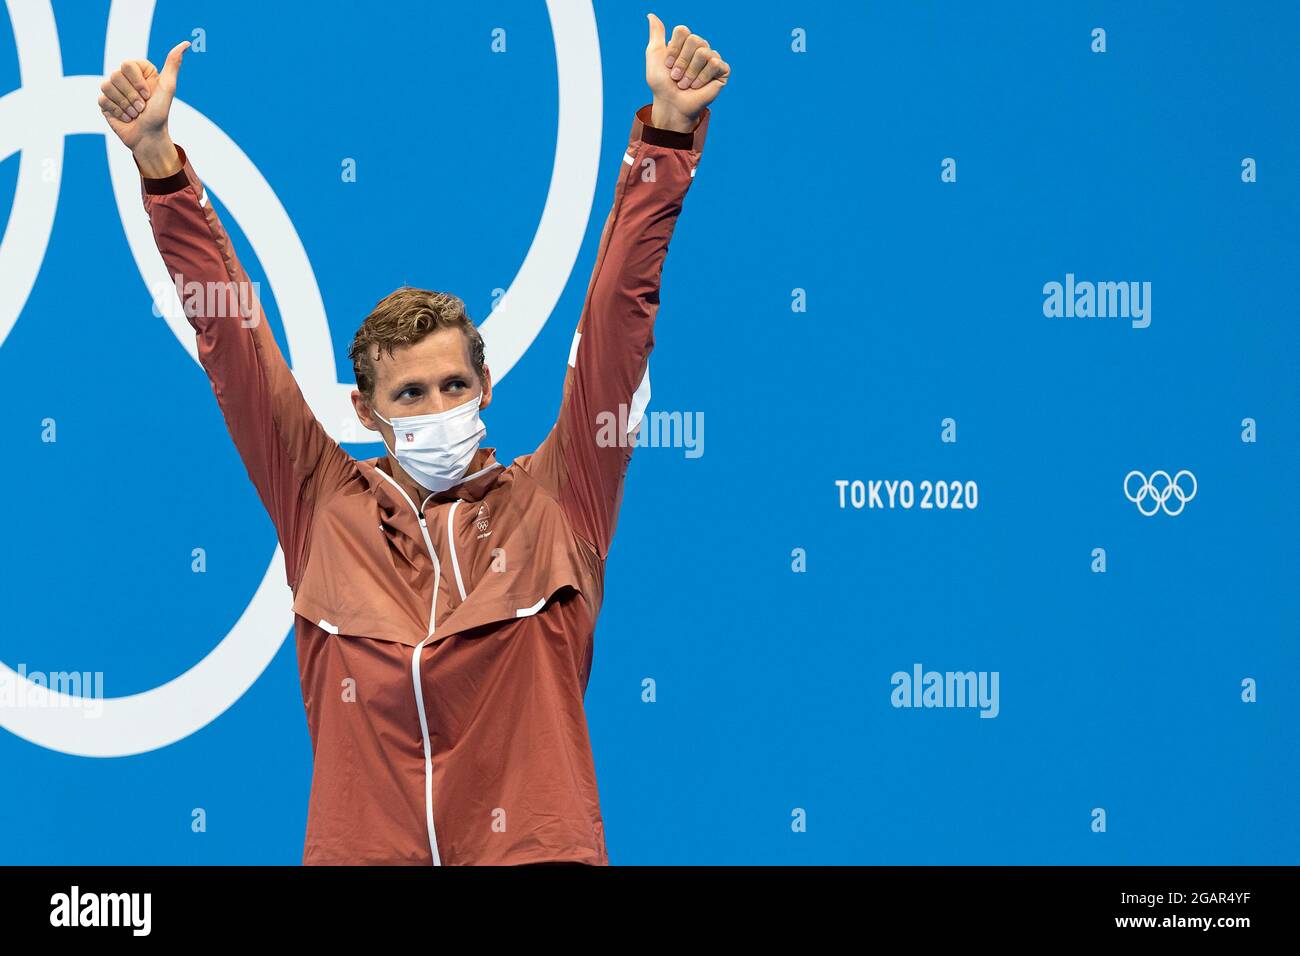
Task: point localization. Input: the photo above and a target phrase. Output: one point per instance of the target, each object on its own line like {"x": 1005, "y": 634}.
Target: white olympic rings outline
{"x": 48, "y": 106}
{"x": 1161, "y": 498}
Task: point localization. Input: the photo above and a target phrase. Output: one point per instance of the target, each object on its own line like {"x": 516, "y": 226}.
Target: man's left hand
{"x": 685, "y": 75}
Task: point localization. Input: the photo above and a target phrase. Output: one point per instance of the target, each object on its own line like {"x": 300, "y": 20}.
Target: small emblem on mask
{"x": 410, "y": 437}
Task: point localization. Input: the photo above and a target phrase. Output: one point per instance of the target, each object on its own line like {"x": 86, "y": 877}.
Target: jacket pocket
{"x": 350, "y": 620}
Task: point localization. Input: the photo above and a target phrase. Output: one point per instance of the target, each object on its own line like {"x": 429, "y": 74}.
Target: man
{"x": 444, "y": 605}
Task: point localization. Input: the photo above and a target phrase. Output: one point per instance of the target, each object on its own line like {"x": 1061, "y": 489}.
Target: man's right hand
{"x": 135, "y": 99}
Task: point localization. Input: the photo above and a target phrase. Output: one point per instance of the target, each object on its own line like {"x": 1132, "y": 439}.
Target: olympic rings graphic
{"x": 1160, "y": 497}
{"x": 48, "y": 106}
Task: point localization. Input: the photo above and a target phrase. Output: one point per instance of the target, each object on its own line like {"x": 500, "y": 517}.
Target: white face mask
{"x": 436, "y": 449}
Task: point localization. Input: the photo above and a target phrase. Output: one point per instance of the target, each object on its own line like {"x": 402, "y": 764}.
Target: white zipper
{"x": 428, "y": 753}
{"x": 415, "y": 657}
{"x": 428, "y": 543}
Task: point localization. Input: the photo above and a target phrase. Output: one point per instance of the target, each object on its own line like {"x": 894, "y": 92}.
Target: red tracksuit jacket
{"x": 444, "y": 652}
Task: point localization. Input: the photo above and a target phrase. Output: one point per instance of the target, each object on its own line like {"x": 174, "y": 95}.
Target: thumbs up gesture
{"x": 684, "y": 73}
{"x": 136, "y": 98}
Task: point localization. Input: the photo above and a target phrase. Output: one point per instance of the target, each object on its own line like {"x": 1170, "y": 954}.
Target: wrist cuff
{"x": 671, "y": 138}
{"x": 657, "y": 136}
{"x": 168, "y": 184}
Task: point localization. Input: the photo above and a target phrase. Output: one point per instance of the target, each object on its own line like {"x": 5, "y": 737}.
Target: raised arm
{"x": 585, "y": 457}
{"x": 289, "y": 457}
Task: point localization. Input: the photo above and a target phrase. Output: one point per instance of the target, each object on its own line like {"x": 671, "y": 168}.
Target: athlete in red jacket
{"x": 444, "y": 605}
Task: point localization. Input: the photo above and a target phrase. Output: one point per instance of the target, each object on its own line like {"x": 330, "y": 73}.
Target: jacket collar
{"x": 378, "y": 474}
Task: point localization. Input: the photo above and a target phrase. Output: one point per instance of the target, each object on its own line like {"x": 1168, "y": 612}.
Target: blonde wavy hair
{"x": 404, "y": 317}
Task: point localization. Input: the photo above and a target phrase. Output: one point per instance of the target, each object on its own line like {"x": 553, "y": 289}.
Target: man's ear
{"x": 365, "y": 413}
{"x": 487, "y": 388}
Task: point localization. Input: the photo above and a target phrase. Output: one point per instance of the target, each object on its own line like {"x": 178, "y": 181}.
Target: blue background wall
{"x": 1119, "y": 690}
